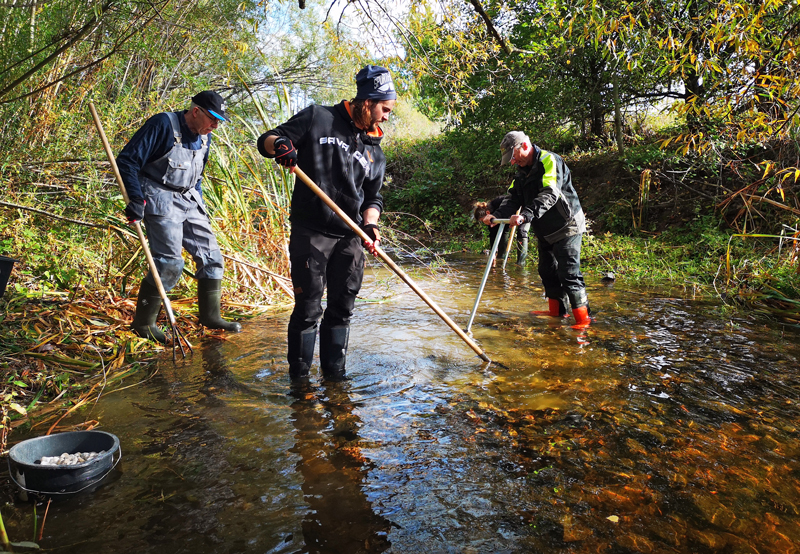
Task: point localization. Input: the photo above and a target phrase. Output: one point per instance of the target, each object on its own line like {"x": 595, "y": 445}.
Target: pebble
{"x": 67, "y": 459}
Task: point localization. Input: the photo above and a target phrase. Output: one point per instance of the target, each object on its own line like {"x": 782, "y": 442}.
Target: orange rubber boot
{"x": 554, "y": 306}
{"x": 582, "y": 319}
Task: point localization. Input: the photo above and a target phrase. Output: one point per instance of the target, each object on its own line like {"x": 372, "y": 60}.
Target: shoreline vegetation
{"x": 65, "y": 339}
{"x": 680, "y": 130}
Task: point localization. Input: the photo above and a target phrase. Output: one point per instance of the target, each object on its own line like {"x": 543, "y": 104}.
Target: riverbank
{"x": 63, "y": 349}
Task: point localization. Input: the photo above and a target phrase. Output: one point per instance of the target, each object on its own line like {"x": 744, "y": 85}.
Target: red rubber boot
{"x": 555, "y": 309}
{"x": 582, "y": 319}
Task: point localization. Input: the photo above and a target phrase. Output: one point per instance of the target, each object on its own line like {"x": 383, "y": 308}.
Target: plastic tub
{"x": 30, "y": 476}
{"x": 6, "y": 265}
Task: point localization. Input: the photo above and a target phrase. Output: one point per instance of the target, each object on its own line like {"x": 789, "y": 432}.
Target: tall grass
{"x": 248, "y": 197}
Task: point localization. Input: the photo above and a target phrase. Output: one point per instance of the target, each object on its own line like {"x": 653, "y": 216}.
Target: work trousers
{"x": 521, "y": 236}
{"x": 560, "y": 270}
{"x": 176, "y": 220}
{"x": 319, "y": 261}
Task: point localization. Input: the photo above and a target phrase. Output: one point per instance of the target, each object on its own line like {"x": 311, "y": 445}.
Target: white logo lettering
{"x": 358, "y": 156}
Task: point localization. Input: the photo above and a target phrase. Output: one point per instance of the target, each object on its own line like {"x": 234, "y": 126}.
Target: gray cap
{"x": 511, "y": 141}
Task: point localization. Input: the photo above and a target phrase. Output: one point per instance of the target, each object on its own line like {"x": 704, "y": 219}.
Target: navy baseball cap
{"x": 212, "y": 102}
{"x": 375, "y": 83}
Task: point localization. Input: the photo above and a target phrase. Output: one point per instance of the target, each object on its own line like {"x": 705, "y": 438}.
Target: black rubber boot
{"x": 148, "y": 304}
{"x": 301, "y": 353}
{"x": 209, "y": 294}
{"x": 333, "y": 351}
{"x": 522, "y": 251}
{"x": 563, "y": 308}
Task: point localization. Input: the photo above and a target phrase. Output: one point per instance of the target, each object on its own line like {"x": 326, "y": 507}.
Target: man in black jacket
{"x": 338, "y": 147}
{"x": 543, "y": 189}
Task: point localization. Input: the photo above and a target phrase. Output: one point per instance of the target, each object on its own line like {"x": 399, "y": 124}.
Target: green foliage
{"x": 646, "y": 155}
{"x": 439, "y": 178}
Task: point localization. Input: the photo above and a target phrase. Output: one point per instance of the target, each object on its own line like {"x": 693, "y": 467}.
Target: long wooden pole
{"x": 511, "y": 237}
{"x": 137, "y": 225}
{"x": 389, "y": 262}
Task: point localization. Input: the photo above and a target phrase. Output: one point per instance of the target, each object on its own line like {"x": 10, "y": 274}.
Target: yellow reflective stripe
{"x": 512, "y": 185}
{"x": 550, "y": 177}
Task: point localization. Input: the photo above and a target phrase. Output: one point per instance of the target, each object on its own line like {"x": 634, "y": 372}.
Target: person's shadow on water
{"x": 217, "y": 377}
{"x": 340, "y": 519}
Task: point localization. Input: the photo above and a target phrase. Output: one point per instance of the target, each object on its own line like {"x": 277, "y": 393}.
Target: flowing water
{"x": 664, "y": 427}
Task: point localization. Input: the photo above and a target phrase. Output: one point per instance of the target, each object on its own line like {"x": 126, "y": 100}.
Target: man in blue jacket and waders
{"x": 162, "y": 168}
{"x": 543, "y": 189}
{"x": 338, "y": 147}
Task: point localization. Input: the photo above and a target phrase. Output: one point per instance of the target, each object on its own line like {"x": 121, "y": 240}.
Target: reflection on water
{"x": 328, "y": 444}
{"x": 664, "y": 427}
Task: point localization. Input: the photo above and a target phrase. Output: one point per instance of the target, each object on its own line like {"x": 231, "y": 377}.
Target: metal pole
{"x": 502, "y": 223}
{"x": 388, "y": 261}
{"x": 176, "y": 334}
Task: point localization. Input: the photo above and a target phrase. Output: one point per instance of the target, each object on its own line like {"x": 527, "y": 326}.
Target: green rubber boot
{"x": 209, "y": 295}
{"x": 148, "y": 304}
{"x": 522, "y": 251}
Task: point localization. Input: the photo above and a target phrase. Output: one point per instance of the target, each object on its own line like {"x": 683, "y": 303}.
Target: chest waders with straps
{"x": 178, "y": 339}
{"x": 179, "y": 171}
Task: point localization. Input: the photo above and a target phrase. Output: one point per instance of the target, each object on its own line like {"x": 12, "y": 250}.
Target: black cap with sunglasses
{"x": 212, "y": 102}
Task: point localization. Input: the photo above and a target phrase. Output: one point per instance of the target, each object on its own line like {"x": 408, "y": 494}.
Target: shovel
{"x": 178, "y": 339}
{"x": 388, "y": 261}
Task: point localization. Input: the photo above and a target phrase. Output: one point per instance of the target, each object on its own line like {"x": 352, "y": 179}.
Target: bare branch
{"x": 85, "y": 30}
{"x": 54, "y": 216}
{"x": 490, "y": 26}
{"x": 84, "y": 67}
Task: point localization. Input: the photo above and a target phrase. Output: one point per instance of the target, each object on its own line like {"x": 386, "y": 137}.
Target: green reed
{"x": 248, "y": 198}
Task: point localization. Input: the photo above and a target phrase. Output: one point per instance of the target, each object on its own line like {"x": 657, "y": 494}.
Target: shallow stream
{"x": 664, "y": 427}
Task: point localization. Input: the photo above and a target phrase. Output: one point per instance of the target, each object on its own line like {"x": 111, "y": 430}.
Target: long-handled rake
{"x": 178, "y": 338}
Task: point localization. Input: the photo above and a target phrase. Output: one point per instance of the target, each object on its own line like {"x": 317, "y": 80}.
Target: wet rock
{"x": 714, "y": 511}
{"x": 656, "y": 438}
{"x": 669, "y": 532}
{"x": 708, "y": 539}
{"x": 618, "y": 502}
{"x": 636, "y": 447}
{"x": 572, "y": 530}
{"x": 737, "y": 545}
{"x": 679, "y": 479}
{"x": 637, "y": 543}
{"x": 770, "y": 443}
{"x": 779, "y": 542}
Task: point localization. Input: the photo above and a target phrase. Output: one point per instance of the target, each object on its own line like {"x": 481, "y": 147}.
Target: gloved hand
{"x": 372, "y": 232}
{"x": 134, "y": 211}
{"x": 285, "y": 152}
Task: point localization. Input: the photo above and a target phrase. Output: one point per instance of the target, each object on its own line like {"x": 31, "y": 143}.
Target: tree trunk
{"x": 618, "y": 116}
